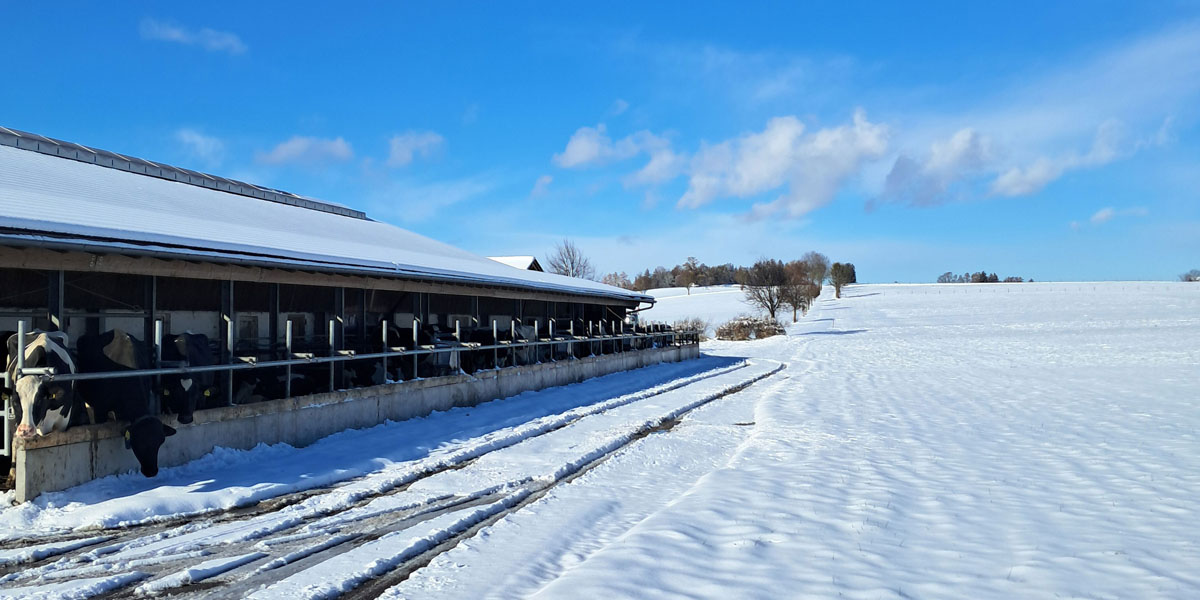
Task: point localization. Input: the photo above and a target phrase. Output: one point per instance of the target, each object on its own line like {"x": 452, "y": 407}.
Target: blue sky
{"x": 1050, "y": 140}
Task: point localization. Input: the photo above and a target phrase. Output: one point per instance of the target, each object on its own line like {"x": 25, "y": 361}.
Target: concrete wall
{"x": 80, "y": 454}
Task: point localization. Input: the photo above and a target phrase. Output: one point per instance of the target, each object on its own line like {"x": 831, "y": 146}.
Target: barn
{"x": 315, "y": 317}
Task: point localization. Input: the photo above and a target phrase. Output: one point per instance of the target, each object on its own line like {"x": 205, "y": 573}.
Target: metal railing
{"x": 649, "y": 340}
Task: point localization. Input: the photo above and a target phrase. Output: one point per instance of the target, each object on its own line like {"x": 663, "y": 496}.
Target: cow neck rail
{"x": 665, "y": 338}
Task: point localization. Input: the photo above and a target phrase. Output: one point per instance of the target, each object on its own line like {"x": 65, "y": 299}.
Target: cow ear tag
{"x": 127, "y": 442}
{"x": 207, "y": 393}
{"x": 166, "y": 392}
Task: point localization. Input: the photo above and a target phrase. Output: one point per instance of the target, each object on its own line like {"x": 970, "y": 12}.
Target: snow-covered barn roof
{"x": 519, "y": 262}
{"x": 65, "y": 195}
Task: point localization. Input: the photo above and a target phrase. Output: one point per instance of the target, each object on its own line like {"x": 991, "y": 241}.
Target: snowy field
{"x": 715, "y": 304}
{"x": 923, "y": 441}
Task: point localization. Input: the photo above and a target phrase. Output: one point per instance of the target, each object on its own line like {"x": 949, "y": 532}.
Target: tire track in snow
{"x": 199, "y": 539}
{"x": 392, "y": 553}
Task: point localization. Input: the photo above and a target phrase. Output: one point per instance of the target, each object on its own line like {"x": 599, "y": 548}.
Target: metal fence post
{"x": 8, "y": 384}
{"x": 158, "y": 341}
{"x": 229, "y": 353}
{"x": 455, "y": 355}
{"x": 495, "y": 344}
{"x": 287, "y": 341}
{"x": 332, "y": 352}
{"x": 385, "y": 349}
{"x": 416, "y": 341}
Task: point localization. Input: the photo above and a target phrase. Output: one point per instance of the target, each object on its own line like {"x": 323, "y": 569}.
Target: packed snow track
{"x": 360, "y": 537}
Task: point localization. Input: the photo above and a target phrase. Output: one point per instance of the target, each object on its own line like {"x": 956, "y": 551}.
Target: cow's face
{"x": 45, "y": 406}
{"x": 145, "y": 438}
{"x": 182, "y": 395}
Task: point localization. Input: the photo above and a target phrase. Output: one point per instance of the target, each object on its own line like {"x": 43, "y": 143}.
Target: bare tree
{"x": 1193, "y": 275}
{"x": 840, "y": 275}
{"x": 568, "y": 260}
{"x": 764, "y": 285}
{"x": 688, "y": 274}
{"x": 818, "y": 266}
{"x": 798, "y": 291}
{"x": 620, "y": 280}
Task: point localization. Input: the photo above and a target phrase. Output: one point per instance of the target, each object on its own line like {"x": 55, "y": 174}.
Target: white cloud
{"x": 619, "y": 106}
{"x": 950, "y": 160}
{"x": 541, "y": 185}
{"x": 813, "y": 166}
{"x": 206, "y": 148}
{"x": 664, "y": 165}
{"x": 1108, "y": 213}
{"x": 1082, "y": 113}
{"x": 1110, "y": 143}
{"x": 592, "y": 147}
{"x": 209, "y": 39}
{"x": 1103, "y": 215}
{"x": 406, "y": 146}
{"x": 307, "y": 150}
{"x": 1022, "y": 181}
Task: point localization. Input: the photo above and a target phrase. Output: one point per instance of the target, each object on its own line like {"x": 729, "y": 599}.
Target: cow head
{"x": 183, "y": 394}
{"x": 45, "y": 404}
{"x": 144, "y": 436}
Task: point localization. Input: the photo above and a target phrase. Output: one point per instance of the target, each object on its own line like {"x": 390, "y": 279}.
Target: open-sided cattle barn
{"x": 296, "y": 302}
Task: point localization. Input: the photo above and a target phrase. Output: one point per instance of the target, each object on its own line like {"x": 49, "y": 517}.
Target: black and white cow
{"x": 46, "y": 405}
{"x": 182, "y": 394}
{"x": 129, "y": 398}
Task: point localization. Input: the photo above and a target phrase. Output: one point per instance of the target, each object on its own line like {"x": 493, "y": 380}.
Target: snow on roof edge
{"x": 94, "y": 205}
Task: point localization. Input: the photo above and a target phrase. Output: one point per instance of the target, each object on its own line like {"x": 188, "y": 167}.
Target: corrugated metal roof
{"x": 44, "y": 197}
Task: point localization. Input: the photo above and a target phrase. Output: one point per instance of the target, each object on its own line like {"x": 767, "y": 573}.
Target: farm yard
{"x": 984, "y": 441}
{"x": 591, "y": 300}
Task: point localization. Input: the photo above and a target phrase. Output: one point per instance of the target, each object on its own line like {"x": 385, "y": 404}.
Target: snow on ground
{"x": 715, "y": 304}
{"x": 231, "y": 478}
{"x": 932, "y": 441}
{"x": 1036, "y": 440}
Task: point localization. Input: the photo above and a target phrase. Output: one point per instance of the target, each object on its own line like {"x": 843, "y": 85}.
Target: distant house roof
{"x": 528, "y": 263}
{"x": 62, "y": 195}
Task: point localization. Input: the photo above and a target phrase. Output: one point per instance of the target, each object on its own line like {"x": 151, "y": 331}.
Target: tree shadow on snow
{"x": 841, "y": 332}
